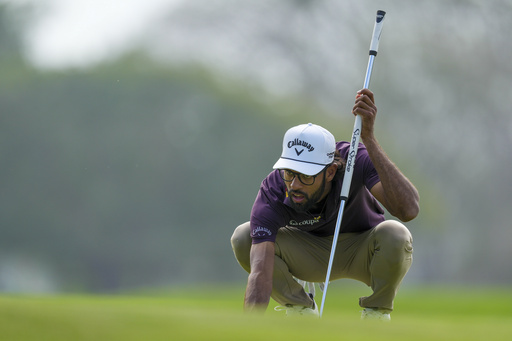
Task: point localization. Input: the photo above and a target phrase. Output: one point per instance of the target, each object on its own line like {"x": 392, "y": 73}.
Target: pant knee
{"x": 394, "y": 234}
{"x": 241, "y": 237}
{"x": 241, "y": 243}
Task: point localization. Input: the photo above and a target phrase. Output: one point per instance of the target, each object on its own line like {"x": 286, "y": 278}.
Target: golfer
{"x": 290, "y": 232}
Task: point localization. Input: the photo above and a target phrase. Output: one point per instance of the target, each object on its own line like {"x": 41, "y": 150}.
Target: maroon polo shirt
{"x": 271, "y": 209}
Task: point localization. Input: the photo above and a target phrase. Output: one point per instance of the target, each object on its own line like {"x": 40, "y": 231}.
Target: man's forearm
{"x": 257, "y": 293}
{"x": 259, "y": 283}
{"x": 401, "y": 197}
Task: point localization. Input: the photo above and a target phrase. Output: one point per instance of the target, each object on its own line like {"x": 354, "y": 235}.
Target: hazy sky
{"x": 81, "y": 32}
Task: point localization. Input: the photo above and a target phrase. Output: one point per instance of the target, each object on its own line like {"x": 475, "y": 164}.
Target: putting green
{"x": 215, "y": 313}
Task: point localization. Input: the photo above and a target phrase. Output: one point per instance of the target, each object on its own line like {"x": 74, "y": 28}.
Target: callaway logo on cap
{"x": 307, "y": 149}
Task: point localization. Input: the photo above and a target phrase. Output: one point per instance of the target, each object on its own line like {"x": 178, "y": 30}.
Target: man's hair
{"x": 340, "y": 163}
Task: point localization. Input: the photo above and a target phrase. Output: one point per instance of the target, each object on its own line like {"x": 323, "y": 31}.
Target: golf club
{"x": 356, "y": 134}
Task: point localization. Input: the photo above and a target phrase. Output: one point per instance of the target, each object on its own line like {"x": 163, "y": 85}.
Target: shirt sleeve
{"x": 267, "y": 214}
{"x": 370, "y": 175}
{"x": 366, "y": 172}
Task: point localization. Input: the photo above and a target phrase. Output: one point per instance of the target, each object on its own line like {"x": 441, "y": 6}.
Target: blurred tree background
{"x": 132, "y": 172}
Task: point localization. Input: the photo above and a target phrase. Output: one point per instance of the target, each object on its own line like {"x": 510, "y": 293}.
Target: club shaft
{"x": 369, "y": 69}
{"x": 350, "y": 162}
{"x": 331, "y": 258}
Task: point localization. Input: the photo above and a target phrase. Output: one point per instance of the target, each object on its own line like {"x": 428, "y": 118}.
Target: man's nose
{"x": 295, "y": 184}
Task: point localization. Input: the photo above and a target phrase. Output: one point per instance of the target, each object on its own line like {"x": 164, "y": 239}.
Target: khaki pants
{"x": 380, "y": 258}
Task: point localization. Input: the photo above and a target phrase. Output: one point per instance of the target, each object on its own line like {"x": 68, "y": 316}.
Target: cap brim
{"x": 299, "y": 166}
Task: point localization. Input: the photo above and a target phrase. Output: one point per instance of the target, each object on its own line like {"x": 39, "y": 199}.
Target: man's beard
{"x": 309, "y": 202}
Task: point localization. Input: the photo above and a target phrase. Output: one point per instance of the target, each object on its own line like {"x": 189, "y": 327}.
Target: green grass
{"x": 215, "y": 313}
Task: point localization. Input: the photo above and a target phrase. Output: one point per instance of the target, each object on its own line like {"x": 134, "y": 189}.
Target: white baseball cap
{"x": 307, "y": 149}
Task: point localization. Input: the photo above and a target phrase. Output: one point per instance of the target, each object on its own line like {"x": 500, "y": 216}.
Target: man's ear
{"x": 330, "y": 172}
